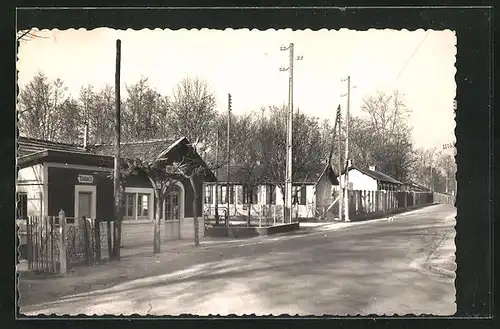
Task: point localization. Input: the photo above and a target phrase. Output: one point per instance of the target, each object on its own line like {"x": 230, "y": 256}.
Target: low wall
{"x": 141, "y": 232}
{"x": 247, "y": 232}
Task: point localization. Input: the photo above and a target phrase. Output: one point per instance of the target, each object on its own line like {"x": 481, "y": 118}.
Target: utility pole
{"x": 341, "y": 195}
{"x": 116, "y": 180}
{"x": 288, "y": 180}
{"x": 229, "y": 104}
{"x": 217, "y": 178}
{"x": 346, "y": 183}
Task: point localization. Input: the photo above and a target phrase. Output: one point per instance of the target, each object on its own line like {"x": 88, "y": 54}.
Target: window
{"x": 270, "y": 194}
{"x": 135, "y": 209}
{"x": 223, "y": 194}
{"x": 130, "y": 205}
{"x": 208, "y": 194}
{"x": 142, "y": 205}
{"x": 22, "y": 205}
{"x": 250, "y": 196}
{"x": 255, "y": 195}
{"x": 299, "y": 195}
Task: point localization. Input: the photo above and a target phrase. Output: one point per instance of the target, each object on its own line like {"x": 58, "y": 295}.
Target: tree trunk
{"x": 216, "y": 204}
{"x": 249, "y": 214}
{"x": 110, "y": 241}
{"x": 156, "y": 236}
{"x": 195, "y": 215}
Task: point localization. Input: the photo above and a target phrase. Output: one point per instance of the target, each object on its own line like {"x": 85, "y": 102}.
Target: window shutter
{"x": 268, "y": 194}
{"x": 231, "y": 195}
{"x": 303, "y": 195}
{"x": 239, "y": 194}
{"x": 255, "y": 194}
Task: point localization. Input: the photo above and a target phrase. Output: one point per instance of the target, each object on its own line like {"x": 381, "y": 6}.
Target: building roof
{"x": 239, "y": 174}
{"x": 418, "y": 186}
{"x": 147, "y": 150}
{"x": 35, "y": 151}
{"x": 30, "y": 145}
{"x": 377, "y": 175}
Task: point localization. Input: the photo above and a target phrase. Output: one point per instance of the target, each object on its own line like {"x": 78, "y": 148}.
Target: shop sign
{"x": 88, "y": 179}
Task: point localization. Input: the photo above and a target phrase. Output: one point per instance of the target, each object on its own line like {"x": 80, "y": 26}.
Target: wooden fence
{"x": 364, "y": 204}
{"x": 56, "y": 243}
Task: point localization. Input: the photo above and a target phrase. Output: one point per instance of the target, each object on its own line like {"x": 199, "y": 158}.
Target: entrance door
{"x": 172, "y": 209}
{"x": 85, "y": 204}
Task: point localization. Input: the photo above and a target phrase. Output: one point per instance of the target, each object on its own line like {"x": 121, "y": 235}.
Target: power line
{"x": 410, "y": 58}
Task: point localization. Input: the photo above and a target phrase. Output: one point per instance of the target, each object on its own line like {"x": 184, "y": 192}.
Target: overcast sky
{"x": 246, "y": 64}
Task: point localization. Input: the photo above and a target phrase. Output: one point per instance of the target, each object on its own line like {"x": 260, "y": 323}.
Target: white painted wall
{"x": 256, "y": 210}
{"x": 31, "y": 181}
{"x": 360, "y": 181}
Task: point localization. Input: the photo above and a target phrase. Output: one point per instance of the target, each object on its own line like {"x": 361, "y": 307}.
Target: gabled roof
{"x": 377, "y": 175}
{"x": 31, "y": 145}
{"x": 417, "y": 185}
{"x": 148, "y": 149}
{"x": 36, "y": 151}
{"x": 239, "y": 174}
{"x": 332, "y": 176}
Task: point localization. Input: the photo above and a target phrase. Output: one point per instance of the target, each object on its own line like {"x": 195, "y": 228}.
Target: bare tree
{"x": 69, "y": 121}
{"x": 309, "y": 149}
{"x": 143, "y": 113}
{"x": 192, "y": 112}
{"x": 192, "y": 167}
{"x": 383, "y": 138}
{"x": 39, "y": 107}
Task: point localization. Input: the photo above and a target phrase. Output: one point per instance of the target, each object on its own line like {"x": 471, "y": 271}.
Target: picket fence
{"x": 260, "y": 214}
{"x": 56, "y": 243}
{"x": 368, "y": 203}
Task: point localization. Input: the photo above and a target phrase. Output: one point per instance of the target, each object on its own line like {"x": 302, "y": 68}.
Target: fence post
{"x": 97, "y": 239}
{"x": 62, "y": 243}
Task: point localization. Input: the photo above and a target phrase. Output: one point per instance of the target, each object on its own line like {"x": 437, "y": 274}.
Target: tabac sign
{"x": 87, "y": 179}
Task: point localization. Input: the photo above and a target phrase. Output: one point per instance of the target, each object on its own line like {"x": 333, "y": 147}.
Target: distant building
{"x": 370, "y": 180}
{"x": 313, "y": 192}
{"x": 416, "y": 187}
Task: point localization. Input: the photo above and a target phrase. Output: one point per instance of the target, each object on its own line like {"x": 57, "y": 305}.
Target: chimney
{"x": 371, "y": 168}
{"x": 85, "y": 136}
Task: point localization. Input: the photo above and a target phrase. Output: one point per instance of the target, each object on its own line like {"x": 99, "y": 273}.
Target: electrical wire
{"x": 410, "y": 58}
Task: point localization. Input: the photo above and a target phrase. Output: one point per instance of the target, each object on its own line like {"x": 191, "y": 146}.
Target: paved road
{"x": 372, "y": 268}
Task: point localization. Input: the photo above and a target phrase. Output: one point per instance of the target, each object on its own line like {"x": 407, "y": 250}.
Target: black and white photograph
{"x": 236, "y": 171}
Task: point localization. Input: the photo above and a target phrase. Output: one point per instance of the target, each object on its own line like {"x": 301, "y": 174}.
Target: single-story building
{"x": 370, "y": 180}
{"x": 54, "y": 176}
{"x": 312, "y": 193}
{"x": 416, "y": 187}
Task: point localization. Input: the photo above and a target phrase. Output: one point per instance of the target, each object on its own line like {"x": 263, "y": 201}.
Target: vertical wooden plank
{"x": 29, "y": 243}
{"x": 62, "y": 243}
{"x": 97, "y": 239}
{"x": 45, "y": 244}
{"x": 37, "y": 257}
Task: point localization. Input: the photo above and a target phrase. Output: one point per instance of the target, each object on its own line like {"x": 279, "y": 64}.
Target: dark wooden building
{"x": 54, "y": 176}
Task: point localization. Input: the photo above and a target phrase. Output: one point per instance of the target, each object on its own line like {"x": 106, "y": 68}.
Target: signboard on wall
{"x": 87, "y": 179}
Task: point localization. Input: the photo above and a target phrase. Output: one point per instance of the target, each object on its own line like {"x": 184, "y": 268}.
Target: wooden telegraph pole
{"x": 341, "y": 195}
{"x": 116, "y": 180}
{"x": 346, "y": 181}
{"x": 229, "y": 105}
{"x": 216, "y": 181}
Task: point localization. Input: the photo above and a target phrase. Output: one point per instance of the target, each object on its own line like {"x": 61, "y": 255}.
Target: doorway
{"x": 85, "y": 201}
{"x": 85, "y": 204}
{"x": 173, "y": 204}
